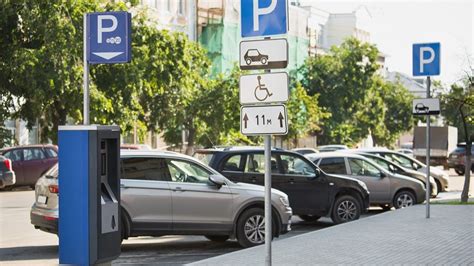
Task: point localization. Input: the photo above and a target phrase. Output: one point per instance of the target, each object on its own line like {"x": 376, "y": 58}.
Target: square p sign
{"x": 426, "y": 59}
{"x": 263, "y": 17}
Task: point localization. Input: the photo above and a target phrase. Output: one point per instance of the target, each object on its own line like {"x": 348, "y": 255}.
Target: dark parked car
{"x": 7, "y": 176}
{"x": 30, "y": 162}
{"x": 312, "y": 193}
{"x": 457, "y": 159}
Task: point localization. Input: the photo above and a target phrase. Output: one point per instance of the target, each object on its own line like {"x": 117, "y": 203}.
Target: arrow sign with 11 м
{"x": 263, "y": 120}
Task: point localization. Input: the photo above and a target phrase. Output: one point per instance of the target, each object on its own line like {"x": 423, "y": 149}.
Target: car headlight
{"x": 362, "y": 184}
{"x": 284, "y": 201}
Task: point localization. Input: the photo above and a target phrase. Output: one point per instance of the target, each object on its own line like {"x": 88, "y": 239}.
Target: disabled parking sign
{"x": 263, "y": 17}
{"x": 108, "y": 37}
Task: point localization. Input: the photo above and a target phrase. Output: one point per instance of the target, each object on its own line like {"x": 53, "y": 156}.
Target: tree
{"x": 343, "y": 79}
{"x": 396, "y": 102}
{"x": 41, "y": 71}
{"x": 304, "y": 114}
{"x": 458, "y": 110}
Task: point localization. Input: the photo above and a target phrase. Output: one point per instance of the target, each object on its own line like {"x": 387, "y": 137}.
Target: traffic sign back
{"x": 108, "y": 37}
{"x": 263, "y": 17}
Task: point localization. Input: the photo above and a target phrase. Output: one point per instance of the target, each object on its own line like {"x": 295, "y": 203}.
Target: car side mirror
{"x": 316, "y": 174}
{"x": 218, "y": 180}
{"x": 383, "y": 175}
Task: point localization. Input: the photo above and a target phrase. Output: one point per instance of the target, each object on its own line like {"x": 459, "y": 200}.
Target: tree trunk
{"x": 191, "y": 138}
{"x": 467, "y": 164}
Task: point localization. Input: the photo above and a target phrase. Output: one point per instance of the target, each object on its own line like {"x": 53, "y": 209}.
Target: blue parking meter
{"x": 89, "y": 197}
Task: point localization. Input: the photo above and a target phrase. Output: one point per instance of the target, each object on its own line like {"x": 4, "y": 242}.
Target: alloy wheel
{"x": 347, "y": 210}
{"x": 255, "y": 229}
{"x": 404, "y": 200}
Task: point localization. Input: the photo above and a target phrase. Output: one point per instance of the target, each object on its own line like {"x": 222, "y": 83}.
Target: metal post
{"x": 268, "y": 205}
{"x": 86, "y": 74}
{"x": 428, "y": 190}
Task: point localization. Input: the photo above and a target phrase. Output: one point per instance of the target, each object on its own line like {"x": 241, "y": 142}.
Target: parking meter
{"x": 89, "y": 194}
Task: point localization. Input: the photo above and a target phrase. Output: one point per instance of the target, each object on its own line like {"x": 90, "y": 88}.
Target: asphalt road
{"x": 20, "y": 243}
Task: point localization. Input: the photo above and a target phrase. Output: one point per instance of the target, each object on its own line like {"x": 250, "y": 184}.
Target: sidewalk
{"x": 396, "y": 237}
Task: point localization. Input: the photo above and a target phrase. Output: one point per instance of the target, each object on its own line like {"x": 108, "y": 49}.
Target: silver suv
{"x": 164, "y": 193}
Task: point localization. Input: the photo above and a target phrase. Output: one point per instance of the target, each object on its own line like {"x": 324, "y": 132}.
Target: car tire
{"x": 404, "y": 199}
{"x": 264, "y": 61}
{"x": 248, "y": 61}
{"x": 459, "y": 170}
{"x": 250, "y": 222}
{"x": 346, "y": 208}
{"x": 309, "y": 218}
{"x": 217, "y": 238}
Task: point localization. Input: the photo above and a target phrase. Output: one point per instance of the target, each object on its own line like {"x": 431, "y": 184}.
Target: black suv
{"x": 312, "y": 193}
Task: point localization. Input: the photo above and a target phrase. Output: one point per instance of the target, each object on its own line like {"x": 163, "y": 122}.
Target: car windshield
{"x": 204, "y": 157}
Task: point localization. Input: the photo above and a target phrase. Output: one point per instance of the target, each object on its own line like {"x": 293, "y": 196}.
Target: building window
{"x": 168, "y": 5}
{"x": 181, "y": 7}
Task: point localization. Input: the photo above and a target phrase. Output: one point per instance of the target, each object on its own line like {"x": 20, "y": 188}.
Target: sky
{"x": 396, "y": 25}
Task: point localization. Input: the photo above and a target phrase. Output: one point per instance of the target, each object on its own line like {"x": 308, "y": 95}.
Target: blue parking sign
{"x": 108, "y": 37}
{"x": 426, "y": 59}
{"x": 263, "y": 17}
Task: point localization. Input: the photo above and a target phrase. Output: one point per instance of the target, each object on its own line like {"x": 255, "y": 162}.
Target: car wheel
{"x": 264, "y": 60}
{"x": 217, "y": 238}
{"x": 459, "y": 170}
{"x": 403, "y": 199}
{"x": 309, "y": 218}
{"x": 251, "y": 228}
{"x": 248, "y": 61}
{"x": 346, "y": 209}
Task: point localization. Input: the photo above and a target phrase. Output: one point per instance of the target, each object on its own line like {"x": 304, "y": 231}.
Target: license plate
{"x": 42, "y": 199}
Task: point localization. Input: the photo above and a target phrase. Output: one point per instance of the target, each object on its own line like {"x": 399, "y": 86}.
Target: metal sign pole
{"x": 86, "y": 75}
{"x": 428, "y": 190}
{"x": 268, "y": 205}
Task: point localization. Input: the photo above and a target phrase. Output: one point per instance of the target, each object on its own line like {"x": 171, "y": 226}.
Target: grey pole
{"x": 86, "y": 74}
{"x": 268, "y": 205}
{"x": 428, "y": 190}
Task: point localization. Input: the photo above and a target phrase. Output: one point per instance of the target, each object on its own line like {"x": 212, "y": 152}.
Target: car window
{"x": 33, "y": 154}
{"x": 256, "y": 164}
{"x": 145, "y": 169}
{"x": 233, "y": 163}
{"x": 204, "y": 157}
{"x": 363, "y": 168}
{"x": 403, "y": 161}
{"x": 184, "y": 171}
{"x": 51, "y": 153}
{"x": 333, "y": 165}
{"x": 14, "y": 155}
{"x": 293, "y": 165}
{"x": 382, "y": 163}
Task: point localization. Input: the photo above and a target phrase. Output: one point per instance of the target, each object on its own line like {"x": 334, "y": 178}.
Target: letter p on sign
{"x": 426, "y": 59}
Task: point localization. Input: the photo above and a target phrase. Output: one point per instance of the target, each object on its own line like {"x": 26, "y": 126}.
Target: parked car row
{"x": 221, "y": 195}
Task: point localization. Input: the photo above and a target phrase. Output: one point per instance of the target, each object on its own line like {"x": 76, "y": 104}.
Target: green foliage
{"x": 460, "y": 97}
{"x": 359, "y": 101}
{"x": 397, "y": 112}
{"x": 304, "y": 114}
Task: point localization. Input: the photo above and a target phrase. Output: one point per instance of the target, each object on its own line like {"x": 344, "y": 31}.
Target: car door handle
{"x": 292, "y": 181}
{"x": 178, "y": 189}
{"x": 253, "y": 179}
{"x": 123, "y": 186}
